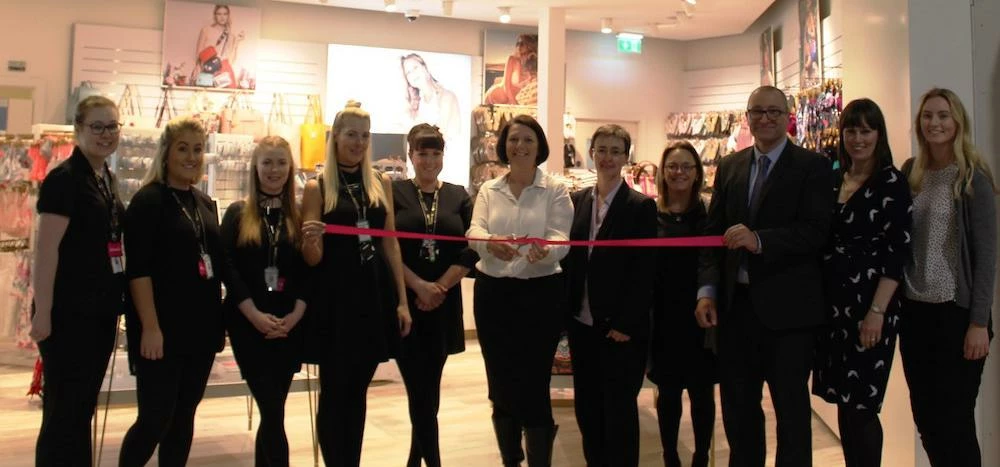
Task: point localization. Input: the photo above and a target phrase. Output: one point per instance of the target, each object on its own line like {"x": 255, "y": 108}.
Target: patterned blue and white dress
{"x": 869, "y": 239}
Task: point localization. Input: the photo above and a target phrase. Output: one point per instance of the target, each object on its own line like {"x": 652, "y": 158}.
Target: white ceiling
{"x": 710, "y": 18}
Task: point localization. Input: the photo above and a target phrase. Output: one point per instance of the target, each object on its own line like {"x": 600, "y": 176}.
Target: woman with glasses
{"x": 78, "y": 282}
{"x": 175, "y": 264}
{"x": 863, "y": 265}
{"x": 682, "y": 352}
{"x": 610, "y": 292}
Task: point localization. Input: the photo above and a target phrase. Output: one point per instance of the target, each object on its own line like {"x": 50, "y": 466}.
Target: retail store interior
{"x": 666, "y": 70}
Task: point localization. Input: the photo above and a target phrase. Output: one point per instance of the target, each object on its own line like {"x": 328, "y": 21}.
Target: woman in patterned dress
{"x": 863, "y": 266}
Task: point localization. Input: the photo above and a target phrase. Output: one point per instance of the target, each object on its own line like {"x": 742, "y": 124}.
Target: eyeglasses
{"x": 614, "y": 152}
{"x": 679, "y": 167}
{"x": 773, "y": 114}
{"x": 98, "y": 129}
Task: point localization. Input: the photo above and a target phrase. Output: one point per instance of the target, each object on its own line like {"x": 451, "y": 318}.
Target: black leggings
{"x": 668, "y": 414}
{"x": 270, "y": 390}
{"x": 168, "y": 392}
{"x": 421, "y": 373}
{"x": 860, "y": 436}
{"x": 343, "y": 401}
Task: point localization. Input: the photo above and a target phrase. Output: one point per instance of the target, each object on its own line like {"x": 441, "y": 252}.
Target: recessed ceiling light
{"x": 504, "y": 14}
{"x": 390, "y": 5}
{"x": 691, "y": 2}
{"x": 606, "y": 25}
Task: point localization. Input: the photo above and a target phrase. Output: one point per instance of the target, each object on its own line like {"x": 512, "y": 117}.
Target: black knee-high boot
{"x": 539, "y": 441}
{"x": 508, "y": 432}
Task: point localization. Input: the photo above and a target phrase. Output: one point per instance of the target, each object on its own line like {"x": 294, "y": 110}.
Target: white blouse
{"x": 544, "y": 210}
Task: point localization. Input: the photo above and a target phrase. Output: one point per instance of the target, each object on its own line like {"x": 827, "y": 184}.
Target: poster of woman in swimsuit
{"x": 810, "y": 45}
{"x": 767, "y": 58}
{"x": 210, "y": 45}
{"x": 511, "y": 68}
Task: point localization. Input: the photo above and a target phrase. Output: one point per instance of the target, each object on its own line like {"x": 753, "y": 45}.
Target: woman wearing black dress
{"x": 78, "y": 284}
{"x": 863, "y": 265}
{"x": 356, "y": 317}
{"x": 175, "y": 262}
{"x": 680, "y": 357}
{"x": 266, "y": 290}
{"x": 433, "y": 272}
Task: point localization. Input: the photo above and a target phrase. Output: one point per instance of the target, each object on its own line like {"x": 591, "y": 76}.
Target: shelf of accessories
{"x": 817, "y": 117}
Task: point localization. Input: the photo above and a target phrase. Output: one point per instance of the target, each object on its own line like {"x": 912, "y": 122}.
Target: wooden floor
{"x": 222, "y": 437}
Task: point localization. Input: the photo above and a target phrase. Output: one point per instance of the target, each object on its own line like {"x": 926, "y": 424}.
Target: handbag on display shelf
{"x": 241, "y": 118}
{"x": 313, "y": 136}
{"x": 130, "y": 108}
{"x": 644, "y": 178}
{"x": 165, "y": 110}
{"x": 199, "y": 107}
{"x": 279, "y": 123}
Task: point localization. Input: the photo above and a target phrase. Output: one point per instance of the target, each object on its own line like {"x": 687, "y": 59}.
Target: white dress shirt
{"x": 544, "y": 210}
{"x": 597, "y": 215}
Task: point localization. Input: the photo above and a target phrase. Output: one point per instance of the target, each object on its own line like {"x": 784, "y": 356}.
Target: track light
{"x": 446, "y": 7}
{"x": 691, "y": 2}
{"x": 504, "y": 14}
{"x": 606, "y": 25}
{"x": 688, "y": 9}
{"x": 390, "y": 6}
{"x": 669, "y": 23}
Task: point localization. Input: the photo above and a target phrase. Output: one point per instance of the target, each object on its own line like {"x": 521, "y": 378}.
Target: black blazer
{"x": 620, "y": 280}
{"x": 793, "y": 220}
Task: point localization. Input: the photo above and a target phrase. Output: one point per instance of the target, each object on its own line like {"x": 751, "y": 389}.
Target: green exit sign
{"x": 630, "y": 43}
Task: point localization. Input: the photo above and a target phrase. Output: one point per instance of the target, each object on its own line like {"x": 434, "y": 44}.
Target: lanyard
{"x": 273, "y": 235}
{"x": 109, "y": 196}
{"x": 430, "y": 216}
{"x": 362, "y": 210}
{"x": 196, "y": 221}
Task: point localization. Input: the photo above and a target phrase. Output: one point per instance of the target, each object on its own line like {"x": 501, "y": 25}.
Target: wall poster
{"x": 401, "y": 88}
{"x": 210, "y": 45}
{"x": 810, "y": 45}
{"x": 767, "y": 72}
{"x": 511, "y": 68}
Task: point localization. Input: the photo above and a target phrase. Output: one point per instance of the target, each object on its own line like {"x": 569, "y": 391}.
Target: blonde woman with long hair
{"x": 360, "y": 311}
{"x": 175, "y": 265}
{"x": 947, "y": 311}
{"x": 267, "y": 290}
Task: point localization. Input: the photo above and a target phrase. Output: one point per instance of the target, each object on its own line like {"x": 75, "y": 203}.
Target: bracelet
{"x": 875, "y": 309}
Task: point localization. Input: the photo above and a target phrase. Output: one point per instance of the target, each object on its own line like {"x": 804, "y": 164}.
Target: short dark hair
{"x": 864, "y": 111}
{"x": 530, "y": 122}
{"x": 425, "y": 136}
{"x": 615, "y": 131}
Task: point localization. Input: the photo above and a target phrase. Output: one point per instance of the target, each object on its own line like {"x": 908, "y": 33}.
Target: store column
{"x": 552, "y": 81}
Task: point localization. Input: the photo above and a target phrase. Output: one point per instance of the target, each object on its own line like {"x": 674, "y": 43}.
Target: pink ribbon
{"x": 684, "y": 242}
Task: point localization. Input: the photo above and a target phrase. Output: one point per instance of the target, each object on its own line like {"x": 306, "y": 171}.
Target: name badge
{"x": 363, "y": 224}
{"x": 116, "y": 255}
{"x": 429, "y": 250}
{"x": 272, "y": 280}
{"x": 205, "y": 266}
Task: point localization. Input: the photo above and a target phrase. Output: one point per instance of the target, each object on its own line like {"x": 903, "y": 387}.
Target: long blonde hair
{"x": 250, "y": 222}
{"x": 966, "y": 156}
{"x": 157, "y": 172}
{"x": 371, "y": 180}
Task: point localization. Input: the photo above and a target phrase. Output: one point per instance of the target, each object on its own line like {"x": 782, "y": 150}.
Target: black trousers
{"x": 269, "y": 386}
{"x": 74, "y": 361}
{"x": 168, "y": 392}
{"x": 607, "y": 377}
{"x": 669, "y": 409}
{"x": 943, "y": 384}
{"x": 343, "y": 405}
{"x": 749, "y": 355}
{"x": 421, "y": 373}
{"x": 518, "y": 323}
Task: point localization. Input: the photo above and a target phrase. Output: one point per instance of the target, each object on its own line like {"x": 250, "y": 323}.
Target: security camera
{"x": 412, "y": 15}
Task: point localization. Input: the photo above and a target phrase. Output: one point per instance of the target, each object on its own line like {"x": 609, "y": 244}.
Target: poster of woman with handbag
{"x": 224, "y": 51}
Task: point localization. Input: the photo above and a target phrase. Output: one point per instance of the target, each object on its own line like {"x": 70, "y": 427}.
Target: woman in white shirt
{"x": 518, "y": 295}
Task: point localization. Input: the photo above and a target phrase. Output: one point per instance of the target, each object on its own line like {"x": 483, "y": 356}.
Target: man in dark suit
{"x": 610, "y": 292}
{"x": 772, "y": 203}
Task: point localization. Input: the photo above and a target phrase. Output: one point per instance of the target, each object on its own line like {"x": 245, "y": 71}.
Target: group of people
{"x": 819, "y": 271}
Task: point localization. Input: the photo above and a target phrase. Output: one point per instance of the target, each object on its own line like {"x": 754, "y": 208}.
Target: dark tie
{"x": 763, "y": 162}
